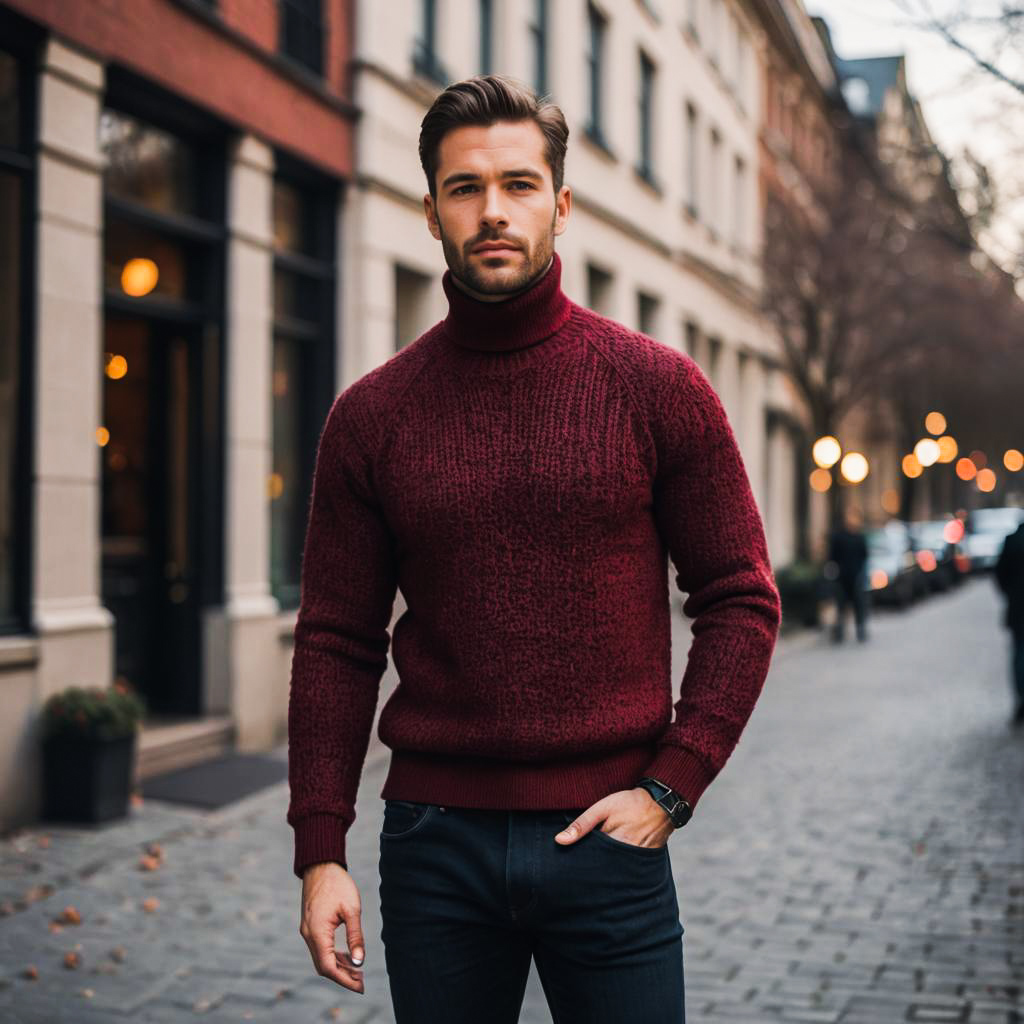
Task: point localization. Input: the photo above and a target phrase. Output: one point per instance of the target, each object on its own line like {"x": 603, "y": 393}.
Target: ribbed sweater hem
{"x": 513, "y": 785}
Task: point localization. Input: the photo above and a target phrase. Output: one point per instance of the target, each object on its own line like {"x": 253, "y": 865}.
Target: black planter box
{"x": 85, "y": 779}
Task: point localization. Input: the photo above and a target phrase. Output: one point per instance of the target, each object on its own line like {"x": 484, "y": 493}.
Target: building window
{"x": 739, "y": 202}
{"x": 17, "y": 183}
{"x": 539, "y": 37}
{"x": 693, "y": 17}
{"x": 599, "y": 290}
{"x": 714, "y": 361}
{"x": 692, "y": 334}
{"x": 715, "y": 183}
{"x": 645, "y": 160}
{"x": 486, "y": 10}
{"x": 425, "y": 60}
{"x": 595, "y": 72}
{"x": 414, "y": 294}
{"x": 715, "y": 32}
{"x": 301, "y": 33}
{"x": 647, "y": 308}
{"x": 303, "y": 364}
{"x": 692, "y": 161}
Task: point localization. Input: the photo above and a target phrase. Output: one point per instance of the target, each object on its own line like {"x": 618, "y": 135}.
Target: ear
{"x": 431, "y": 214}
{"x": 563, "y": 205}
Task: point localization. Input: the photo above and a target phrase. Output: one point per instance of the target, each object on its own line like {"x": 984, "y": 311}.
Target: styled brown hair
{"x": 482, "y": 100}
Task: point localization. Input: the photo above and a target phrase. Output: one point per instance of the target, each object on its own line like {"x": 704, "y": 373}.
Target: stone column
{"x": 246, "y": 683}
{"x": 75, "y": 630}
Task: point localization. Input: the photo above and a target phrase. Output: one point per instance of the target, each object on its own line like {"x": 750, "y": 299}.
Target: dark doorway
{"x": 152, "y": 500}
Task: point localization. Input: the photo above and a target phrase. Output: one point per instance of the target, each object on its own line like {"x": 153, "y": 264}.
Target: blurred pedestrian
{"x": 1010, "y": 579}
{"x": 848, "y": 553}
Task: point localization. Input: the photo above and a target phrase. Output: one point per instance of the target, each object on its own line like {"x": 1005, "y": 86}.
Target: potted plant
{"x": 89, "y": 737}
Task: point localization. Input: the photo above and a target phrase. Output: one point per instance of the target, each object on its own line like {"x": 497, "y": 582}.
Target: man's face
{"x": 494, "y": 185}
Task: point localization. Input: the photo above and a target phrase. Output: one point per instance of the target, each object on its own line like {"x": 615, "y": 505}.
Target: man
{"x": 522, "y": 471}
{"x": 848, "y": 553}
{"x": 1010, "y": 580}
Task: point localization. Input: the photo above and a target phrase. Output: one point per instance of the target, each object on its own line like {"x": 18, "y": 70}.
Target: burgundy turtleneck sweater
{"x": 523, "y": 471}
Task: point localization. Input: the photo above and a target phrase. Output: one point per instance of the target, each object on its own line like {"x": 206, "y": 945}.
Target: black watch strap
{"x": 678, "y": 810}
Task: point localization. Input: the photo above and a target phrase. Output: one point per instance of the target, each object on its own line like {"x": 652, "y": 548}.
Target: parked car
{"x": 938, "y": 551}
{"x": 893, "y": 574}
{"x": 987, "y": 528}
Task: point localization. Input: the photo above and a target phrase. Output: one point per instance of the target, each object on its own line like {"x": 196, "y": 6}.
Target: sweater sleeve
{"x": 347, "y": 590}
{"x": 706, "y": 514}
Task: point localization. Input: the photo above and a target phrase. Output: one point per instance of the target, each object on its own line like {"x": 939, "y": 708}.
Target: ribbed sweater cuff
{"x": 682, "y": 770}
{"x": 319, "y": 838}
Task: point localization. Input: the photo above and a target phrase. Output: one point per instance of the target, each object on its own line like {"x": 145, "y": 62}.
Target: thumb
{"x": 570, "y": 833}
{"x": 354, "y": 937}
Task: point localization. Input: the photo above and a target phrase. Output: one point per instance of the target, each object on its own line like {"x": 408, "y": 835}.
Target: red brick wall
{"x": 166, "y": 43}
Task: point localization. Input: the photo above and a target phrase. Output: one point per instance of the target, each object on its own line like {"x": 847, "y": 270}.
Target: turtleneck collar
{"x": 510, "y": 324}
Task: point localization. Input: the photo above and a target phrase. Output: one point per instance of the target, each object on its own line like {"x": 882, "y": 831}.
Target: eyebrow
{"x": 458, "y": 176}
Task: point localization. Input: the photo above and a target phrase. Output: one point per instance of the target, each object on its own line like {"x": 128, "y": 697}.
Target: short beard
{"x": 536, "y": 263}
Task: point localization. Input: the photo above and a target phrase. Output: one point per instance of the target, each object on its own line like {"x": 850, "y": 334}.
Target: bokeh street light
{"x": 986, "y": 480}
{"x": 912, "y": 466}
{"x": 966, "y": 469}
{"x": 927, "y": 451}
{"x": 1013, "y": 460}
{"x": 821, "y": 480}
{"x": 935, "y": 422}
{"x": 854, "y": 467}
{"x": 947, "y": 448}
{"x": 826, "y": 451}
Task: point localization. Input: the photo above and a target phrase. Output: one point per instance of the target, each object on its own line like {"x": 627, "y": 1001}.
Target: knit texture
{"x": 523, "y": 471}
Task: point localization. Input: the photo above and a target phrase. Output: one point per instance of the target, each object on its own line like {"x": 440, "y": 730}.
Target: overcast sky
{"x": 963, "y": 106}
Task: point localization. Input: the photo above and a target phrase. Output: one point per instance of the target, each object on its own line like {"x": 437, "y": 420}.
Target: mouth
{"x": 503, "y": 251}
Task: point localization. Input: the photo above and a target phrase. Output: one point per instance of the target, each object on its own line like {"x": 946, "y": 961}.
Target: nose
{"x": 494, "y": 214}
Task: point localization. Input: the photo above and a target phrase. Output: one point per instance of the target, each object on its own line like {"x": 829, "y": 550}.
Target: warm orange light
{"x": 891, "y": 500}
{"x": 139, "y": 277}
{"x": 879, "y": 579}
{"x": 102, "y": 436}
{"x": 979, "y": 459}
{"x": 926, "y": 559}
{"x": 826, "y": 451}
{"x": 1013, "y": 460}
{"x": 927, "y": 451}
{"x": 947, "y": 448}
{"x": 911, "y": 466}
{"x": 935, "y": 422}
{"x": 986, "y": 480}
{"x": 117, "y": 366}
{"x": 275, "y": 485}
{"x": 953, "y": 531}
{"x": 966, "y": 469}
{"x": 821, "y": 480}
{"x": 854, "y": 467}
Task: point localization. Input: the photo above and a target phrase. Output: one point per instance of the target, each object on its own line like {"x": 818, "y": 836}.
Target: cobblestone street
{"x": 859, "y": 860}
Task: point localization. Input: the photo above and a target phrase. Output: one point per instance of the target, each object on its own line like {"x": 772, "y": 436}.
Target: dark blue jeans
{"x": 469, "y": 896}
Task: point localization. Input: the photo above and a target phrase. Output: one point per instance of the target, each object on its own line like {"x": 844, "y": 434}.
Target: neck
{"x": 523, "y": 319}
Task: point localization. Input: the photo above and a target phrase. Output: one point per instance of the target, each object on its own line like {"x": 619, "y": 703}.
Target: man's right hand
{"x": 330, "y": 897}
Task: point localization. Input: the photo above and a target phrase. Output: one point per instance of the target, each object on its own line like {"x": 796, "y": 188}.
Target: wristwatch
{"x": 675, "y": 806}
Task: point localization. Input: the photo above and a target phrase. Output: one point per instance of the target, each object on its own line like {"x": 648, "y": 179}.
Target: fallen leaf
{"x": 118, "y": 953}
{"x": 150, "y": 905}
{"x": 37, "y": 892}
{"x": 155, "y": 849}
{"x": 149, "y": 863}
{"x": 72, "y": 960}
{"x": 31, "y": 972}
{"x": 88, "y": 993}
{"x": 69, "y": 915}
{"x": 56, "y": 928}
{"x": 43, "y": 841}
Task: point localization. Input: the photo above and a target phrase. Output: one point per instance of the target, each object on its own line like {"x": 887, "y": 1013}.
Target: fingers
{"x": 354, "y": 937}
{"x": 571, "y": 832}
{"x": 339, "y": 967}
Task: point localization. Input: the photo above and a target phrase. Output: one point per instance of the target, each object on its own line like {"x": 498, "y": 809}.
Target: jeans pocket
{"x": 645, "y": 851}
{"x": 403, "y": 817}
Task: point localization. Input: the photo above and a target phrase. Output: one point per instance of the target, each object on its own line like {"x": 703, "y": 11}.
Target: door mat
{"x": 216, "y": 783}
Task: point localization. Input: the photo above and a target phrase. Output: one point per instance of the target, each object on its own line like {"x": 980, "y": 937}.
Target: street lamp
{"x": 1013, "y": 460}
{"x": 935, "y": 423}
{"x": 826, "y": 451}
{"x": 854, "y": 467}
{"x": 927, "y": 451}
